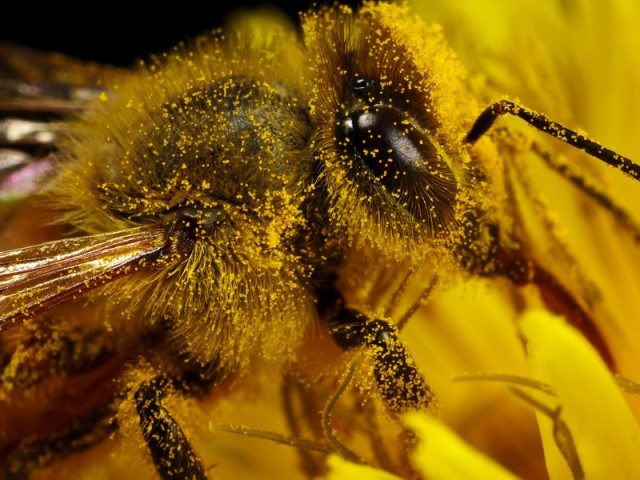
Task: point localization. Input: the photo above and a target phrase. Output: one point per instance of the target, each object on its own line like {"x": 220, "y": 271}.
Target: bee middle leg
{"x": 171, "y": 452}
{"x": 80, "y": 435}
{"x": 54, "y": 400}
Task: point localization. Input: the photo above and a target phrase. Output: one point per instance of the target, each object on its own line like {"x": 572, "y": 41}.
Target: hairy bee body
{"x": 232, "y": 131}
{"x": 220, "y": 132}
{"x": 232, "y": 207}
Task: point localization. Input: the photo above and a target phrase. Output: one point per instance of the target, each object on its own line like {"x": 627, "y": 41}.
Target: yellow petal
{"x": 442, "y": 455}
{"x": 340, "y": 469}
{"x": 605, "y": 433}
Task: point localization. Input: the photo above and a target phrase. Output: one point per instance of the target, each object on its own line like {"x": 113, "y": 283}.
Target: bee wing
{"x": 43, "y": 82}
{"x": 39, "y": 93}
{"x": 21, "y": 174}
{"x": 36, "y": 278}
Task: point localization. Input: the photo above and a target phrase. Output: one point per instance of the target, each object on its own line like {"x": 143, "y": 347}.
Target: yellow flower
{"x": 587, "y": 427}
{"x": 587, "y": 400}
{"x": 341, "y": 469}
{"x": 571, "y": 61}
{"x": 541, "y": 404}
{"x": 441, "y": 455}
{"x": 546, "y": 55}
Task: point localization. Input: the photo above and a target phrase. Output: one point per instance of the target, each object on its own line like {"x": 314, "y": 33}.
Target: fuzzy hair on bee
{"x": 223, "y": 130}
{"x": 249, "y": 208}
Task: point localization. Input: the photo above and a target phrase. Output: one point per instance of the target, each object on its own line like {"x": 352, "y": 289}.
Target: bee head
{"x": 390, "y": 111}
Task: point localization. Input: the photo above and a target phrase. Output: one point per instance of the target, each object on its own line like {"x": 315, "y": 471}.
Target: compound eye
{"x": 404, "y": 161}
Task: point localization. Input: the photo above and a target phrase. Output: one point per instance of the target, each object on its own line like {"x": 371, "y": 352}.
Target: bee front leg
{"x": 522, "y": 270}
{"x": 398, "y": 378}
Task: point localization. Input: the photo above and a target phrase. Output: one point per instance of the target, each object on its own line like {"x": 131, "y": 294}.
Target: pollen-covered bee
{"x": 220, "y": 211}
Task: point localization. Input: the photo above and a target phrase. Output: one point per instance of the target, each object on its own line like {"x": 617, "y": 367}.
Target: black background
{"x": 116, "y": 34}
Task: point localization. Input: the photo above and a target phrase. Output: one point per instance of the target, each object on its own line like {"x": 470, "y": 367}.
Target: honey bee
{"x": 214, "y": 212}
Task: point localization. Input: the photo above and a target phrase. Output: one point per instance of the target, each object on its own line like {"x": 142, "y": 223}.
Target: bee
{"x": 220, "y": 210}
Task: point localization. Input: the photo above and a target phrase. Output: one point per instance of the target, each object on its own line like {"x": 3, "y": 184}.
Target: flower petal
{"x": 605, "y": 432}
{"x": 339, "y": 469}
{"x": 442, "y": 455}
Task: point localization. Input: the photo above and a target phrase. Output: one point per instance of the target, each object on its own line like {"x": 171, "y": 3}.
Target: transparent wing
{"x": 39, "y": 93}
{"x": 36, "y": 278}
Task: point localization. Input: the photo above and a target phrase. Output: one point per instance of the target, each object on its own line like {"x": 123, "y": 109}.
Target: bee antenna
{"x": 487, "y": 118}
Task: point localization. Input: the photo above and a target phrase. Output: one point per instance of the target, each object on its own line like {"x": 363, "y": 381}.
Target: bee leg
{"x": 590, "y": 189}
{"x": 171, "y": 452}
{"x": 52, "y": 383}
{"x": 399, "y": 380}
{"x": 48, "y": 351}
{"x": 82, "y": 434}
{"x": 515, "y": 264}
{"x": 307, "y": 408}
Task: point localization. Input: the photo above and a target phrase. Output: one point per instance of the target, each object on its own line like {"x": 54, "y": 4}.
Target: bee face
{"x": 230, "y": 198}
